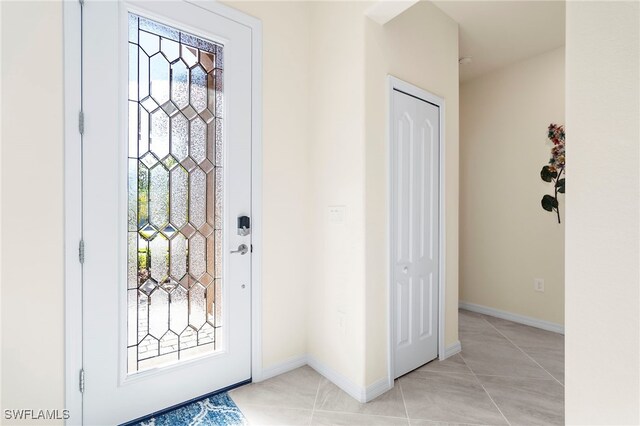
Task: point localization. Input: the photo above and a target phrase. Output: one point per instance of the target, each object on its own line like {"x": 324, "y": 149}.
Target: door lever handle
{"x": 242, "y": 249}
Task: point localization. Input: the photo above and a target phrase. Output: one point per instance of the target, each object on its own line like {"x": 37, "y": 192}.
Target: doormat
{"x": 215, "y": 410}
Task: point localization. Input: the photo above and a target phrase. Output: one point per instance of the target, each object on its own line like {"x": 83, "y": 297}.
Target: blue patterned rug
{"x": 215, "y": 410}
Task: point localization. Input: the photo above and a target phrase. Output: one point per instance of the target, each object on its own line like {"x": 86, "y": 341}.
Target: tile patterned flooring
{"x": 506, "y": 374}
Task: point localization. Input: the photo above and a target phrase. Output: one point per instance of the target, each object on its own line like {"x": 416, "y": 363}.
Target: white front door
{"x": 167, "y": 174}
{"x": 414, "y": 230}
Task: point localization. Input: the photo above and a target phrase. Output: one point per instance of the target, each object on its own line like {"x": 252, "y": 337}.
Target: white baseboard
{"x": 521, "y": 319}
{"x": 377, "y": 388}
{"x": 355, "y": 391}
{"x": 359, "y": 393}
{"x": 283, "y": 367}
{"x": 451, "y": 350}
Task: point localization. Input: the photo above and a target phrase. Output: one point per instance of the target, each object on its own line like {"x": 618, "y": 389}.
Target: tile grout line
{"x": 485, "y": 391}
{"x": 406, "y": 412}
{"x": 315, "y": 401}
{"x": 522, "y": 350}
{"x": 470, "y": 373}
{"x": 431, "y": 420}
{"x": 351, "y": 413}
{"x": 544, "y": 379}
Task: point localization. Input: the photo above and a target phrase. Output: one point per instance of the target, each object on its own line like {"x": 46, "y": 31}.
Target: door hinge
{"x": 81, "y": 384}
{"x": 81, "y": 251}
{"x": 81, "y": 122}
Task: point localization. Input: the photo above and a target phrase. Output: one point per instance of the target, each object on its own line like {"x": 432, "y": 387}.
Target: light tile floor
{"x": 507, "y": 373}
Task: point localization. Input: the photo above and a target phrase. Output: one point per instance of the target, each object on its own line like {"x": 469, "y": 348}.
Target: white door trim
{"x": 73, "y": 195}
{"x": 72, "y": 212}
{"x": 397, "y": 84}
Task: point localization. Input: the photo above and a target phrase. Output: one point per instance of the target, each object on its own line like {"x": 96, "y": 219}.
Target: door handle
{"x": 242, "y": 249}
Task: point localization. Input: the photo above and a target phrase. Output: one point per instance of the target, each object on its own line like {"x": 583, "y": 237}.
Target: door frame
{"x": 72, "y": 30}
{"x": 393, "y": 84}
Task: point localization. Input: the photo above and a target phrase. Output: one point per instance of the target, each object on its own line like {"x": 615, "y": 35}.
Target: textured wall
{"x": 602, "y": 238}
{"x": 32, "y": 206}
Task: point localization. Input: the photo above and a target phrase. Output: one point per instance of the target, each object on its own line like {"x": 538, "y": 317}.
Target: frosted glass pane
{"x": 159, "y": 29}
{"x": 133, "y": 28}
{"x": 175, "y": 197}
{"x": 159, "y": 196}
{"x": 143, "y": 74}
{"x": 159, "y": 75}
{"x": 133, "y": 130}
{"x": 179, "y": 195}
{"x": 132, "y": 195}
{"x": 219, "y": 198}
{"x": 198, "y": 140}
{"x": 198, "y": 88}
{"x": 159, "y": 248}
{"x": 143, "y": 136}
{"x": 197, "y": 202}
{"x": 179, "y": 309}
{"x": 159, "y": 313}
{"x": 143, "y": 260}
{"x": 178, "y": 257}
{"x": 218, "y": 254}
{"x": 211, "y": 182}
{"x": 159, "y": 133}
{"x": 197, "y": 42}
{"x": 188, "y": 338}
{"x": 132, "y": 316}
{"x": 197, "y": 255}
{"x": 219, "y": 56}
{"x": 219, "y": 143}
{"x": 143, "y": 316}
{"x": 197, "y": 315}
{"x": 132, "y": 260}
{"x": 219, "y": 111}
{"x": 133, "y": 72}
{"x": 143, "y": 195}
{"x": 179, "y": 137}
{"x": 206, "y": 334}
{"x": 180, "y": 84}
{"x": 218, "y": 303}
{"x": 169, "y": 343}
{"x": 148, "y": 348}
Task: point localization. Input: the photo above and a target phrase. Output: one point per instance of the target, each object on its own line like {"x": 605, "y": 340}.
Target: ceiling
{"x": 499, "y": 33}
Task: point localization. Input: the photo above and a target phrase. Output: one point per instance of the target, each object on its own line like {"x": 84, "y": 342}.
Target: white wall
{"x": 602, "y": 233}
{"x": 419, "y": 46}
{"x": 506, "y": 239}
{"x": 32, "y": 217}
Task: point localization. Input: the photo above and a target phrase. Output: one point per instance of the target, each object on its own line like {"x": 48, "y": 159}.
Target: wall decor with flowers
{"x": 553, "y": 172}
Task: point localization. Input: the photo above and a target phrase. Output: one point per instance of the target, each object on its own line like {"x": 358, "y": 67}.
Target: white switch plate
{"x": 337, "y": 214}
{"x": 538, "y": 284}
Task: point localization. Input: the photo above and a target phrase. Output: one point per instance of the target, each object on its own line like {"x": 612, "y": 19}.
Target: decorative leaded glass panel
{"x": 174, "y": 186}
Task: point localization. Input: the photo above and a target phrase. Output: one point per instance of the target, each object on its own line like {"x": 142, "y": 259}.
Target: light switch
{"x": 337, "y": 214}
